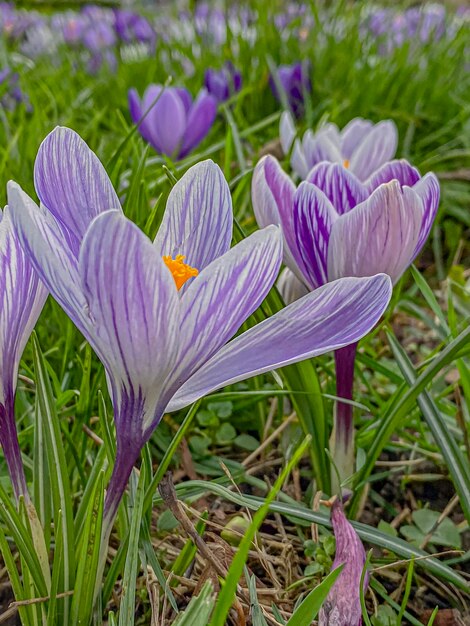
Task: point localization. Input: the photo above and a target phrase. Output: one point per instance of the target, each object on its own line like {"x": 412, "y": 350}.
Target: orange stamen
{"x": 181, "y": 271}
{"x": 346, "y": 163}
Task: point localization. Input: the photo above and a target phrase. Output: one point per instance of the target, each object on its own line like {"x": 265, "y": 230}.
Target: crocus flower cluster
{"x": 346, "y": 220}
{"x": 223, "y": 83}
{"x": 417, "y": 24}
{"x": 290, "y": 84}
{"x": 161, "y": 315}
{"x": 170, "y": 121}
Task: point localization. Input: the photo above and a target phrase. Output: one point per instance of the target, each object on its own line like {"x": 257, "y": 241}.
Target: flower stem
{"x": 11, "y": 447}
{"x": 342, "y": 437}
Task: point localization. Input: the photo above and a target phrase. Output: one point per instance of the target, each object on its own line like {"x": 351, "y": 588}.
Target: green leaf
{"x": 88, "y": 555}
{"x": 458, "y": 465}
{"x": 225, "y": 599}
{"x": 59, "y": 475}
{"x": 308, "y": 609}
{"x": 127, "y": 608}
{"x": 198, "y": 610}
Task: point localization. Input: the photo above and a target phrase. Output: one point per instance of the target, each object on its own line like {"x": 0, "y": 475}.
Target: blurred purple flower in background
{"x": 11, "y": 94}
{"x": 133, "y": 28}
{"x": 170, "y": 121}
{"x": 342, "y": 606}
{"x": 223, "y": 83}
{"x": 290, "y": 84}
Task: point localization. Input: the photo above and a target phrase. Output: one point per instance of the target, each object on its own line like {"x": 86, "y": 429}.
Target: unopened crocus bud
{"x": 291, "y": 83}
{"x": 223, "y": 83}
{"x": 342, "y": 606}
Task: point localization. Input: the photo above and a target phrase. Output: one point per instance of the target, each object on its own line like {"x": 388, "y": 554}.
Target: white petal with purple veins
{"x": 379, "y": 235}
{"x": 328, "y": 318}
{"x": 378, "y": 147}
{"x": 429, "y": 192}
{"x": 71, "y": 181}
{"x": 134, "y": 308}
{"x": 197, "y": 221}
{"x": 313, "y": 220}
{"x": 224, "y": 295}
{"x": 339, "y": 185}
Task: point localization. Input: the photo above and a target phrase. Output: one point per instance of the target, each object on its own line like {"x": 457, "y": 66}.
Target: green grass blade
{"x": 456, "y": 462}
{"x": 308, "y": 609}
{"x": 88, "y": 555}
{"x": 227, "y": 594}
{"x": 127, "y": 609}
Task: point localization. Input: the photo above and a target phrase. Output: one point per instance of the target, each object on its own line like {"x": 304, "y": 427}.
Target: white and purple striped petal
{"x": 224, "y": 295}
{"x": 133, "y": 308}
{"x": 71, "y": 181}
{"x": 379, "y": 235}
{"x": 272, "y": 194}
{"x": 398, "y": 169}
{"x": 353, "y": 134}
{"x": 328, "y": 318}
{"x": 46, "y": 246}
{"x": 313, "y": 220}
{"x": 197, "y": 222}
{"x": 339, "y": 185}
{"x": 429, "y": 192}
{"x": 378, "y": 147}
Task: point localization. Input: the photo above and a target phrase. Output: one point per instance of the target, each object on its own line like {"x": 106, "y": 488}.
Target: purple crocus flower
{"x": 342, "y": 606}
{"x": 159, "y": 315}
{"x": 131, "y": 27}
{"x": 290, "y": 84}
{"x": 23, "y": 297}
{"x": 362, "y": 146}
{"x": 170, "y": 121}
{"x": 223, "y": 83}
{"x": 334, "y": 226}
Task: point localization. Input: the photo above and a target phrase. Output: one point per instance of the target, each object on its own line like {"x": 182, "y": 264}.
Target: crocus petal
{"x": 185, "y": 97}
{"x": 378, "y": 147}
{"x": 379, "y": 235}
{"x": 335, "y": 315}
{"x": 342, "y": 606}
{"x": 133, "y": 303}
{"x": 429, "y": 192}
{"x": 313, "y": 217}
{"x": 22, "y": 298}
{"x": 46, "y": 247}
{"x": 201, "y": 116}
{"x": 197, "y": 222}
{"x": 353, "y": 134}
{"x": 399, "y": 170}
{"x": 272, "y": 194}
{"x": 339, "y": 185}
{"x": 71, "y": 181}
{"x": 137, "y": 114}
{"x": 290, "y": 287}
{"x": 324, "y": 145}
{"x": 298, "y": 161}
{"x": 166, "y": 121}
{"x": 224, "y": 295}
{"x": 286, "y": 131}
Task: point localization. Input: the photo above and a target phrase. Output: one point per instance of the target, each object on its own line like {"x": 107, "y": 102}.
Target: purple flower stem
{"x": 11, "y": 447}
{"x": 342, "y": 440}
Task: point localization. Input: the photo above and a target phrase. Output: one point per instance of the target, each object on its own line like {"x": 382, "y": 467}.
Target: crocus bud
{"x": 342, "y": 606}
{"x": 169, "y": 120}
{"x": 223, "y": 83}
{"x": 291, "y": 83}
